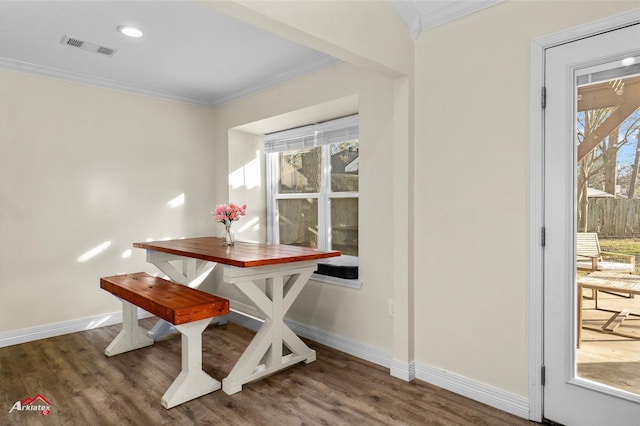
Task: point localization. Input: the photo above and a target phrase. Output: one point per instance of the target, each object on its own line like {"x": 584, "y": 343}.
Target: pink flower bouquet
{"x": 226, "y": 214}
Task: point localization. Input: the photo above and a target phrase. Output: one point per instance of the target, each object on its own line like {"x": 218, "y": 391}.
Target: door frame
{"x": 536, "y": 192}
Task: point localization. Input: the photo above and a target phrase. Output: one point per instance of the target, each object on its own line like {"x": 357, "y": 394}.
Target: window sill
{"x": 341, "y": 282}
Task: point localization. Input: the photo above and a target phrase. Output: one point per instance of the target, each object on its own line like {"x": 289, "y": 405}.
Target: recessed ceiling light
{"x": 130, "y": 31}
{"x": 628, "y": 61}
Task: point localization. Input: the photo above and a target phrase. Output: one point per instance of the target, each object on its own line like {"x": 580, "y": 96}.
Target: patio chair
{"x": 590, "y": 257}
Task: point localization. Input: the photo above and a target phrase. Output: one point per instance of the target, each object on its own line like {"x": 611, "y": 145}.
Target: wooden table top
{"x": 242, "y": 253}
{"x": 611, "y": 281}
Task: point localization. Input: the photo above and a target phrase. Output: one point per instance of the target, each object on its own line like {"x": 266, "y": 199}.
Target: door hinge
{"x": 543, "y": 97}
{"x": 543, "y": 236}
{"x": 543, "y": 375}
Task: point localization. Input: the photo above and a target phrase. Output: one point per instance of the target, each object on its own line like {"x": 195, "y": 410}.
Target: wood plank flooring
{"x": 85, "y": 387}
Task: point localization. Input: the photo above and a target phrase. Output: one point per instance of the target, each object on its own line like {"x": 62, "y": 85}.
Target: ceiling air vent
{"x": 88, "y": 46}
{"x": 74, "y": 42}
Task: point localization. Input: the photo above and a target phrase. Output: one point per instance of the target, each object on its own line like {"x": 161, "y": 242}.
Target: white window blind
{"x": 335, "y": 131}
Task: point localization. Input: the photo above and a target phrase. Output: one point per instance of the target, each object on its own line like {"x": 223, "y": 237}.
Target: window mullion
{"x": 343, "y": 195}
{"x": 273, "y": 175}
{"x": 298, "y": 195}
{"x": 324, "y": 210}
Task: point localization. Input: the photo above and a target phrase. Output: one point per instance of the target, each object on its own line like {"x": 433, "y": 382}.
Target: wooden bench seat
{"x": 170, "y": 301}
{"x": 188, "y": 309}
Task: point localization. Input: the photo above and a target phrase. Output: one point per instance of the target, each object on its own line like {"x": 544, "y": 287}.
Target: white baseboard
{"x": 403, "y": 370}
{"x": 505, "y": 401}
{"x": 25, "y": 335}
{"x": 497, "y": 398}
{"x": 335, "y": 341}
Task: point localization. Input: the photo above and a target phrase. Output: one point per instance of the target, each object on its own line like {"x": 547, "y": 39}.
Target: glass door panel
{"x": 608, "y": 222}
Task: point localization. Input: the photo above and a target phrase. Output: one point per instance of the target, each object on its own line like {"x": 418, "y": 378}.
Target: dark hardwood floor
{"x": 85, "y": 387}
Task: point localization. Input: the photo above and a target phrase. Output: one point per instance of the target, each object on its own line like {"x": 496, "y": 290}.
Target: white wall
{"x": 81, "y": 166}
{"x": 360, "y": 315}
{"x": 472, "y": 158}
{"x": 247, "y": 183}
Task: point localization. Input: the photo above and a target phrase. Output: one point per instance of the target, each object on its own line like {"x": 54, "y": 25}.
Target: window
{"x": 312, "y": 181}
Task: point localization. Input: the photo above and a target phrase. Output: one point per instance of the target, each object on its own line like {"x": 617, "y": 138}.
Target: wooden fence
{"x": 614, "y": 217}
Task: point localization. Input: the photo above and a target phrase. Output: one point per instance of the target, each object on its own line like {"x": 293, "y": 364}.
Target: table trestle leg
{"x": 297, "y": 346}
{"x": 275, "y": 291}
{"x": 264, "y": 355}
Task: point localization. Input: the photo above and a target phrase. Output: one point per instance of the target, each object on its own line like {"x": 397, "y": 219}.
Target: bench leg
{"x": 131, "y": 336}
{"x": 161, "y": 329}
{"x": 192, "y": 382}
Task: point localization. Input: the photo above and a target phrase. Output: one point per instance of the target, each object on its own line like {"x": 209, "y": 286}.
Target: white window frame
{"x": 300, "y": 138}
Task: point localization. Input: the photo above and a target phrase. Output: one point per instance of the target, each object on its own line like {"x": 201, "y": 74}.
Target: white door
{"x": 568, "y": 398}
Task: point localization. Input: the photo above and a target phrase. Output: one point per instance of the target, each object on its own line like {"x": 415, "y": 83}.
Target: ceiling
{"x": 189, "y": 51}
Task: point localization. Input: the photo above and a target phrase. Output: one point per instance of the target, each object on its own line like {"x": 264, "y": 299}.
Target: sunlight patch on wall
{"x": 98, "y": 323}
{"x": 93, "y": 252}
{"x": 126, "y": 254}
{"x": 247, "y": 176}
{"x": 252, "y": 223}
{"x": 200, "y": 278}
{"x": 176, "y": 202}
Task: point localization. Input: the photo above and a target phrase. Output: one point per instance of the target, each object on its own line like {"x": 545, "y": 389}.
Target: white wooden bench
{"x": 188, "y": 309}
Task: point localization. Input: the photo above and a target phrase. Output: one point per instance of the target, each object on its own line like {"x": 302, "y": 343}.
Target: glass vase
{"x": 227, "y": 238}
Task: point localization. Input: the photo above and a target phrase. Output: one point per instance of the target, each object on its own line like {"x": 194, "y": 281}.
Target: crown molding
{"x": 292, "y": 74}
{"x": 455, "y": 10}
{"x": 410, "y": 15}
{"x": 25, "y": 67}
{"x": 418, "y": 20}
{"x": 302, "y": 70}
